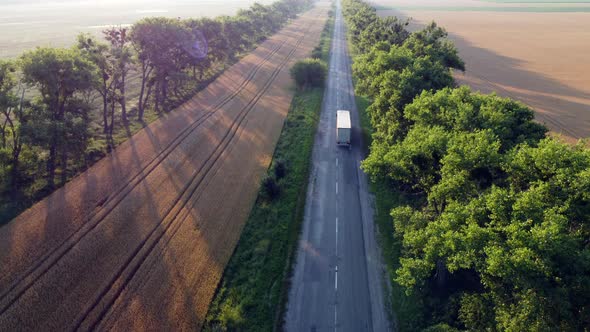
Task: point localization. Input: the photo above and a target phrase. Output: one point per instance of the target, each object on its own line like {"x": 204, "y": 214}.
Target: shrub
{"x": 280, "y": 169}
{"x": 309, "y": 72}
{"x": 271, "y": 187}
{"x": 317, "y": 52}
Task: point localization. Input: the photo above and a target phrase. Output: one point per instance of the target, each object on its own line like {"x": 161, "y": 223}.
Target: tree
{"x": 11, "y": 109}
{"x": 121, "y": 59}
{"x": 164, "y": 48}
{"x": 309, "y": 72}
{"x": 236, "y": 30}
{"x": 214, "y": 47}
{"x": 98, "y": 53}
{"x": 389, "y": 29}
{"x": 432, "y": 41}
{"x": 462, "y": 110}
{"x": 526, "y": 244}
{"x": 58, "y": 74}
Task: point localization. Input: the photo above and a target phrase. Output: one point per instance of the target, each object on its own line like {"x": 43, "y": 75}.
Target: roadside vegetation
{"x": 253, "y": 291}
{"x": 483, "y": 218}
{"x": 61, "y": 110}
{"x": 309, "y": 73}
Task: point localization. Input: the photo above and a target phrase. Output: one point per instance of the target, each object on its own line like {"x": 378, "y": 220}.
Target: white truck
{"x": 343, "y": 128}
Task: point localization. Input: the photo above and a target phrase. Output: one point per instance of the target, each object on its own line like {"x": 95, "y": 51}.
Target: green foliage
{"x": 492, "y": 233}
{"x": 432, "y": 41}
{"x": 280, "y": 169}
{"x": 316, "y": 53}
{"x": 271, "y": 187}
{"x": 7, "y": 83}
{"x": 58, "y": 74}
{"x": 393, "y": 74}
{"x": 309, "y": 73}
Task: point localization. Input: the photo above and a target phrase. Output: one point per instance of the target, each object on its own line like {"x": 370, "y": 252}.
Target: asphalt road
{"x": 337, "y": 282}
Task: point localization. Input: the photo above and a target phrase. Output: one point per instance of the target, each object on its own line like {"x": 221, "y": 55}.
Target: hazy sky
{"x": 25, "y": 24}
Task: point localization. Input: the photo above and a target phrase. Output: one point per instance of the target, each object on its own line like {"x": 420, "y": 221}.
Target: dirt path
{"x": 140, "y": 240}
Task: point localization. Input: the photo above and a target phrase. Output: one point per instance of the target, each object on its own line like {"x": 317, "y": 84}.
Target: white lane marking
{"x": 336, "y": 279}
{"x": 336, "y": 162}
{"x": 336, "y": 187}
{"x": 336, "y": 237}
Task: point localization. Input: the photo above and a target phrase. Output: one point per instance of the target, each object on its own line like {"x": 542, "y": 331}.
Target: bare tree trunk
{"x": 105, "y": 113}
{"x": 64, "y": 165}
{"x": 51, "y": 165}
{"x": 112, "y": 116}
{"x": 143, "y": 94}
{"x": 3, "y": 130}
{"x": 157, "y": 97}
{"x": 140, "y": 105}
{"x": 147, "y": 95}
{"x": 122, "y": 99}
{"x": 15, "y": 172}
{"x": 441, "y": 274}
{"x": 165, "y": 92}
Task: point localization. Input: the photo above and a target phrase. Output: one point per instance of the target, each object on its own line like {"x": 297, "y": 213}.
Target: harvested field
{"x": 140, "y": 240}
{"x": 539, "y": 58}
{"x": 26, "y": 24}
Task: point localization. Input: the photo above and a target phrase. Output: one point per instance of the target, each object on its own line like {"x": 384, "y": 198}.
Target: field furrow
{"x": 142, "y": 237}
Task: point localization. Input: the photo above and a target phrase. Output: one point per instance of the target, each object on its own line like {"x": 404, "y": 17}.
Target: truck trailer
{"x": 343, "y": 128}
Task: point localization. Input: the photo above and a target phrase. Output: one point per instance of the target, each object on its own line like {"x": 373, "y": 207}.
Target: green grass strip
{"x": 253, "y": 291}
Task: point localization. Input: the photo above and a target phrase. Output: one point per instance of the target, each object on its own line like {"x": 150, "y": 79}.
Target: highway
{"x": 337, "y": 283}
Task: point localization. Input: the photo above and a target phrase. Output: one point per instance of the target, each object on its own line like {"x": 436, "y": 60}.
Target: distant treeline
{"x": 495, "y": 234}
{"x": 59, "y": 107}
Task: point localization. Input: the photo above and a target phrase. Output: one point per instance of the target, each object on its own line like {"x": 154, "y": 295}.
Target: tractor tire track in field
{"x": 114, "y": 199}
{"x": 120, "y": 281}
{"x": 555, "y": 124}
{"x": 89, "y": 316}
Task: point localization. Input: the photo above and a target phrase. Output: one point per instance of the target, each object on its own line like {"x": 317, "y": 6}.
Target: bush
{"x": 280, "y": 169}
{"x": 271, "y": 187}
{"x": 317, "y": 52}
{"x": 309, "y": 72}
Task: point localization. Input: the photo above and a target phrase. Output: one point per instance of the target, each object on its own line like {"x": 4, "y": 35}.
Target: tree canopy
{"x": 494, "y": 232}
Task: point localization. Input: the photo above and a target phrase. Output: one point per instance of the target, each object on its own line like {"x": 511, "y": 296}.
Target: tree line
{"x": 496, "y": 234}
{"x": 59, "y": 107}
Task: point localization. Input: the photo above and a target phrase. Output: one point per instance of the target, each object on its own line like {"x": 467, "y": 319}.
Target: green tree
{"x": 164, "y": 48}
{"x": 432, "y": 41}
{"x": 12, "y": 113}
{"x": 462, "y": 110}
{"x": 389, "y": 29}
{"x": 98, "y": 53}
{"x": 309, "y": 72}
{"x": 58, "y": 74}
{"x": 121, "y": 60}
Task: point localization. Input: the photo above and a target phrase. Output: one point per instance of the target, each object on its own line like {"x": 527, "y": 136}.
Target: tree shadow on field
{"x": 135, "y": 256}
{"x": 564, "y": 109}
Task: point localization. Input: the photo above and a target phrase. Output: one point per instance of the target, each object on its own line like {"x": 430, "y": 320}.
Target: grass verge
{"x": 253, "y": 291}
{"x": 407, "y": 309}
{"x": 253, "y": 284}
